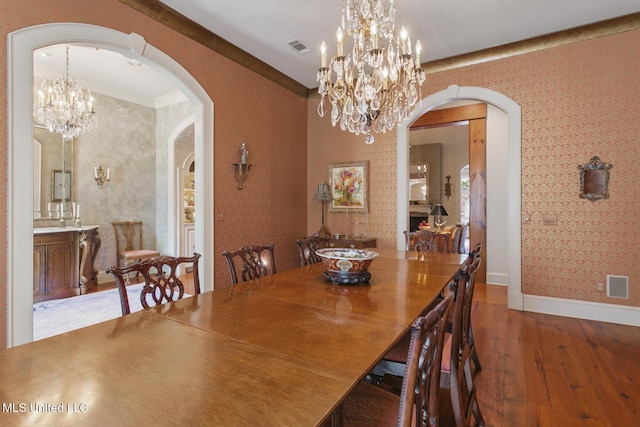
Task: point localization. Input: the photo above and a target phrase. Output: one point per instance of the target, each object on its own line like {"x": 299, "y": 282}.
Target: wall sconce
{"x": 241, "y": 170}
{"x": 447, "y": 187}
{"x": 101, "y": 175}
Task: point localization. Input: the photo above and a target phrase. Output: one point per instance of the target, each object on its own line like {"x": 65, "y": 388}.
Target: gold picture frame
{"x": 348, "y": 185}
{"x": 58, "y": 182}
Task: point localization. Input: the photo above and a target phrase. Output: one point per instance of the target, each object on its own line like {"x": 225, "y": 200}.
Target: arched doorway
{"x": 513, "y": 214}
{"x": 175, "y": 173}
{"x": 21, "y": 45}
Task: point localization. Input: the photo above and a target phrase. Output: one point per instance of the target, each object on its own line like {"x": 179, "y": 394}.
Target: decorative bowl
{"x": 347, "y": 265}
{"x": 424, "y": 227}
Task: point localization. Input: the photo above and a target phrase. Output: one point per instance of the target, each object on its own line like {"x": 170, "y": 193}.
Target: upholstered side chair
{"x": 129, "y": 243}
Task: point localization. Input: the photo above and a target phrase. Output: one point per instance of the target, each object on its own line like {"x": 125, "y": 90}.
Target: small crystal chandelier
{"x": 64, "y": 106}
{"x": 376, "y": 86}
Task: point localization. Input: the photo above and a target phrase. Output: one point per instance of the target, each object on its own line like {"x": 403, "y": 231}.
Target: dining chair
{"x": 161, "y": 281}
{"x": 456, "y": 233}
{"x": 456, "y": 366}
{"x": 457, "y": 375}
{"x": 441, "y": 242}
{"x": 471, "y": 266}
{"x": 370, "y": 405}
{"x": 397, "y": 353}
{"x": 255, "y": 261}
{"x": 419, "y": 240}
{"x": 462, "y": 243}
{"x": 307, "y": 249}
{"x": 474, "y": 256}
{"x": 129, "y": 243}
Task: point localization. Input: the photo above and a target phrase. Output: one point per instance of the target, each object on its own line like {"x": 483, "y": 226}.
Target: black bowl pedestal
{"x": 358, "y": 278}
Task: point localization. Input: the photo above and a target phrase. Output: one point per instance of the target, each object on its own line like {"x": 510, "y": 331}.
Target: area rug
{"x": 62, "y": 315}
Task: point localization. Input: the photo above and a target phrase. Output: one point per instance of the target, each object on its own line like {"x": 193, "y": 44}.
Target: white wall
{"x": 497, "y": 196}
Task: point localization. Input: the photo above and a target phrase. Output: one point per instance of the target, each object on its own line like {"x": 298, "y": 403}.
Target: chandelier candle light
{"x": 378, "y": 83}
{"x": 64, "y": 106}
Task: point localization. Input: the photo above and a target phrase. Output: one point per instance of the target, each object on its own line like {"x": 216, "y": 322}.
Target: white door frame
{"x": 514, "y": 228}
{"x": 20, "y": 47}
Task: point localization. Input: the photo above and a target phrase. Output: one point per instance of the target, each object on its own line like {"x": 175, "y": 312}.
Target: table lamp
{"x": 323, "y": 195}
{"x": 439, "y": 211}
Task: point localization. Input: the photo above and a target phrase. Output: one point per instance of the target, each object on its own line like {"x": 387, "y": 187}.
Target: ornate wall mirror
{"x": 594, "y": 179}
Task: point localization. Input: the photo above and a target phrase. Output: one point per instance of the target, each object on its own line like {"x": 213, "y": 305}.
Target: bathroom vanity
{"x": 63, "y": 261}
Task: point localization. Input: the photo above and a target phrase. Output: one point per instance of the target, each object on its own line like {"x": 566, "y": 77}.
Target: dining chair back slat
{"x": 161, "y": 281}
{"x": 419, "y": 240}
{"x": 255, "y": 261}
{"x": 459, "y": 379}
{"x": 307, "y": 248}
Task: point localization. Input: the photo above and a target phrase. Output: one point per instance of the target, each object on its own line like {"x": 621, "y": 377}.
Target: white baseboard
{"x": 612, "y": 313}
{"x": 497, "y": 279}
{"x": 515, "y": 300}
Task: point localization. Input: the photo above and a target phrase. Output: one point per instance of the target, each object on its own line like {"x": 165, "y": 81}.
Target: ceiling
{"x": 264, "y": 28}
{"x": 107, "y": 72}
{"x": 445, "y": 28}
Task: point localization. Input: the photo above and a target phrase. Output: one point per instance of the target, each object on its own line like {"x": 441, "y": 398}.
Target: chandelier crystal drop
{"x": 64, "y": 107}
{"x": 376, "y": 85}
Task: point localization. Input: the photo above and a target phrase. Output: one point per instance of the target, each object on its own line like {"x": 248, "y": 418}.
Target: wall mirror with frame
{"x": 52, "y": 155}
{"x": 594, "y": 179}
{"x": 419, "y": 183}
{"x": 424, "y": 173}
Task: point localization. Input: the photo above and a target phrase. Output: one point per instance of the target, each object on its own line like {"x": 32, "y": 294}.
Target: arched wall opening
{"x": 21, "y": 44}
{"x": 513, "y": 160}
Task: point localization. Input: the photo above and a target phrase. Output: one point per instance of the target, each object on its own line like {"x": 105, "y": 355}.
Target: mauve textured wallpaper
{"x": 578, "y": 100}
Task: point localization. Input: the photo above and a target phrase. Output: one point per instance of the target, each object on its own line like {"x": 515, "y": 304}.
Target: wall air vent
{"x": 299, "y": 46}
{"x": 617, "y": 286}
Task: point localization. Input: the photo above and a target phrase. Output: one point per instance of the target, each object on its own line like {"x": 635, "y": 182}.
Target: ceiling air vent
{"x": 299, "y": 46}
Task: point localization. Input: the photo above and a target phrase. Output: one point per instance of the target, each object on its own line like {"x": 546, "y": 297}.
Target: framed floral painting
{"x": 348, "y": 184}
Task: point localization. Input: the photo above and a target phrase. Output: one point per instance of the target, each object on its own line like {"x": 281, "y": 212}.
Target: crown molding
{"x": 169, "y": 17}
{"x": 586, "y": 32}
{"x": 176, "y": 21}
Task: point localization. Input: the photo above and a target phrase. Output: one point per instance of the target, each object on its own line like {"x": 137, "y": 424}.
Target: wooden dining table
{"x": 282, "y": 350}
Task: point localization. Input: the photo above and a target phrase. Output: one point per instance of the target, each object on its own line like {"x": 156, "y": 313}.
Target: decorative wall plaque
{"x": 594, "y": 179}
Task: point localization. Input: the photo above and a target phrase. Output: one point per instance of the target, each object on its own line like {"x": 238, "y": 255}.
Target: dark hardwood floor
{"x": 544, "y": 370}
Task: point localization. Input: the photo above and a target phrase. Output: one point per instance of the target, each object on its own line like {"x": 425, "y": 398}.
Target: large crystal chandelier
{"x": 64, "y": 106}
{"x": 376, "y": 86}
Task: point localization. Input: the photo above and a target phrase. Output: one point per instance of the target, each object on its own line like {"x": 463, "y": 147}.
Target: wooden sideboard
{"x": 353, "y": 243}
{"x": 63, "y": 261}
